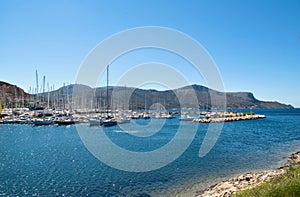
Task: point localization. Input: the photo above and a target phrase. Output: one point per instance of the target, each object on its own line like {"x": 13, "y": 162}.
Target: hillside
{"x": 132, "y": 98}
{"x": 12, "y": 95}
{"x": 137, "y": 99}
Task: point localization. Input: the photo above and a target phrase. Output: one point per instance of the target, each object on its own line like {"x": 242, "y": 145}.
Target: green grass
{"x": 287, "y": 184}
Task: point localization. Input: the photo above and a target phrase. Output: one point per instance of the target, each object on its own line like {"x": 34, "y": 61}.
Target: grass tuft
{"x": 287, "y": 184}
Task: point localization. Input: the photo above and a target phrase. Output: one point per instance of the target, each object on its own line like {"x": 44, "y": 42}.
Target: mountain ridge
{"x": 137, "y": 99}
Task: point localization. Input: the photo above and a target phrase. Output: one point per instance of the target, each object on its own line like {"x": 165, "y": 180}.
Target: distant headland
{"x": 13, "y": 96}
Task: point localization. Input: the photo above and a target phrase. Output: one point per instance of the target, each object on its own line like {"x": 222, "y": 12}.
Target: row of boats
{"x": 40, "y": 121}
{"x": 112, "y": 119}
{"x": 96, "y": 119}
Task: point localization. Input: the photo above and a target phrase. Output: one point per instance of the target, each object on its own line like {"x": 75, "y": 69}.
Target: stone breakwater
{"x": 228, "y": 118}
{"x": 248, "y": 180}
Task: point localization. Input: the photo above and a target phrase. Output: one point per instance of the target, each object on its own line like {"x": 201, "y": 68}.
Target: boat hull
{"x": 42, "y": 122}
{"x": 109, "y": 123}
{"x": 71, "y": 122}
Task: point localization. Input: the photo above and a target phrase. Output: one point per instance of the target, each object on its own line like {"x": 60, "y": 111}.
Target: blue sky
{"x": 255, "y": 44}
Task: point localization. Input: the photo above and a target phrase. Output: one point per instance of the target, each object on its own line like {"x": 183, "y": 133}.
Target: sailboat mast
{"x": 37, "y": 87}
{"x": 145, "y": 103}
{"x": 48, "y": 96}
{"x": 43, "y": 97}
{"x": 107, "y": 70}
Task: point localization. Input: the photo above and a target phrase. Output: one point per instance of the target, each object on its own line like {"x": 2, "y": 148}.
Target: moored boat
{"x": 123, "y": 120}
{"x": 65, "y": 122}
{"x": 186, "y": 118}
{"x": 146, "y": 116}
{"x": 95, "y": 121}
{"x": 11, "y": 121}
{"x": 109, "y": 123}
{"x": 164, "y": 116}
{"x": 43, "y": 122}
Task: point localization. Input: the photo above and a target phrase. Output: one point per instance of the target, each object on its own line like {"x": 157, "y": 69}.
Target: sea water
{"x": 53, "y": 160}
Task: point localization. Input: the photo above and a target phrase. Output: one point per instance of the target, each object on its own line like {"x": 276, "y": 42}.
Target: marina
{"x": 149, "y": 98}
{"x": 111, "y": 118}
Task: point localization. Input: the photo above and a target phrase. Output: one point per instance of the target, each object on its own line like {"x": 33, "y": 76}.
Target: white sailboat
{"x": 40, "y": 121}
{"x": 108, "y": 121}
{"x": 95, "y": 121}
{"x": 186, "y": 118}
{"x": 145, "y": 115}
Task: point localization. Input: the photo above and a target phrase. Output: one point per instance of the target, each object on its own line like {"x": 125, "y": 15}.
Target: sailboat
{"x": 95, "y": 121}
{"x": 186, "y": 118}
{"x": 108, "y": 121}
{"x": 145, "y": 114}
{"x": 41, "y": 121}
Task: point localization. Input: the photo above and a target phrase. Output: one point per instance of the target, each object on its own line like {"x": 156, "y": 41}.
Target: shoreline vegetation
{"x": 251, "y": 180}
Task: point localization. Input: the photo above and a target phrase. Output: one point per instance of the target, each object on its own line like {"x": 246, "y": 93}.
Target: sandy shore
{"x": 248, "y": 180}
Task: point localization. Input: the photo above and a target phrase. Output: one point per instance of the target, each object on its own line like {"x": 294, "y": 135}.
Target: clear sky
{"x": 255, "y": 44}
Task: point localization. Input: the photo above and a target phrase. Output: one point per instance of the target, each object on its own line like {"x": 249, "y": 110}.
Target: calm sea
{"x": 52, "y": 160}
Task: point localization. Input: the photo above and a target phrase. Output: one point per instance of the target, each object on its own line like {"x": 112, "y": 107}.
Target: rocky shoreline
{"x": 248, "y": 180}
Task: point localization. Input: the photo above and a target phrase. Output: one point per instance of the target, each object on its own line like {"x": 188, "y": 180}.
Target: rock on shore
{"x": 248, "y": 180}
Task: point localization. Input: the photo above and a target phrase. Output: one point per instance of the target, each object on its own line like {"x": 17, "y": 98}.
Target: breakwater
{"x": 227, "y": 117}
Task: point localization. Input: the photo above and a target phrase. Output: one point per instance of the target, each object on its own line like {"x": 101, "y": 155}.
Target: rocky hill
{"x": 132, "y": 98}
{"x": 13, "y": 96}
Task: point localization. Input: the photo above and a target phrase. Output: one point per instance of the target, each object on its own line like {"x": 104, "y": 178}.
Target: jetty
{"x": 227, "y": 117}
